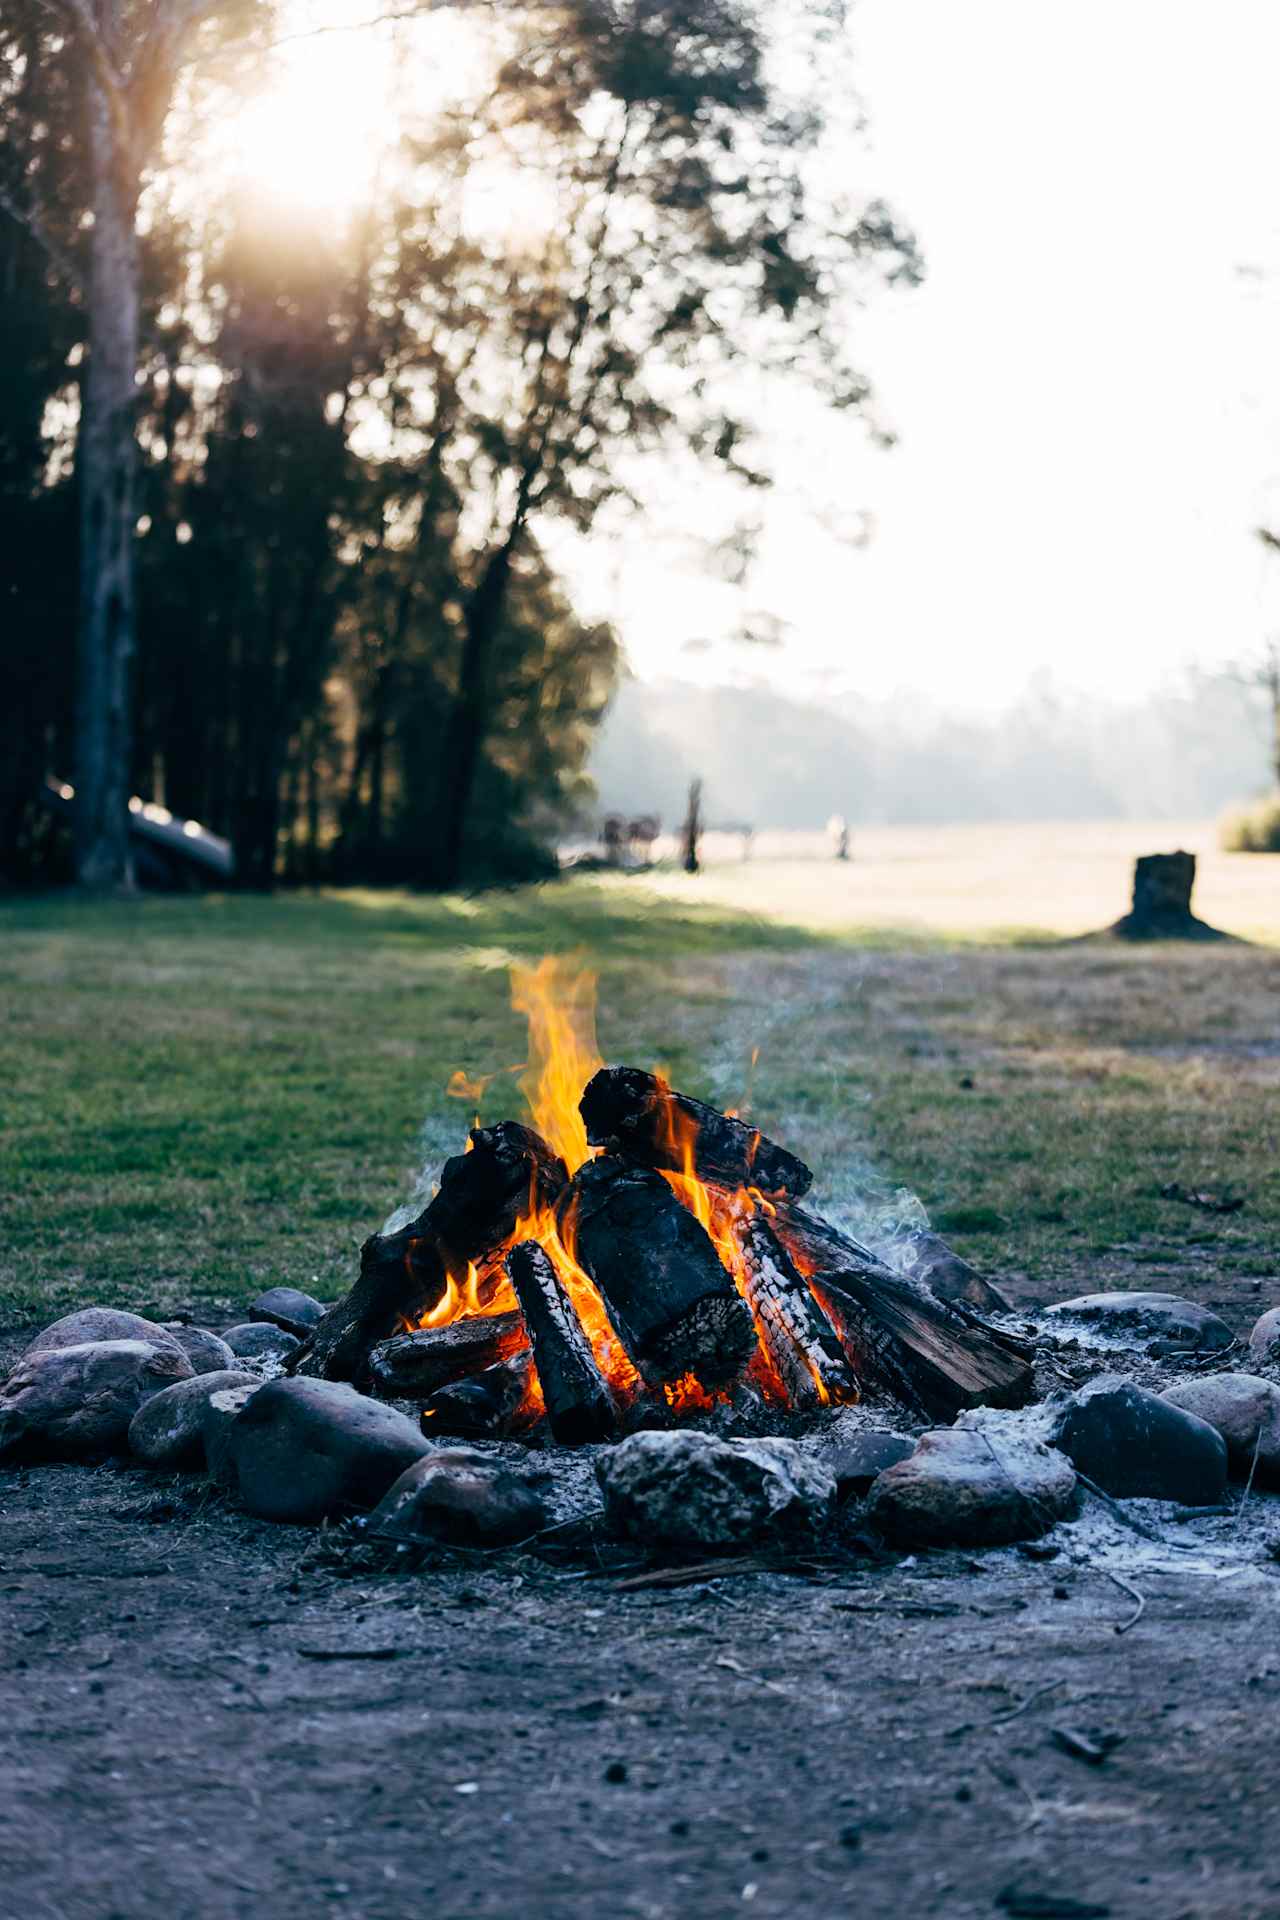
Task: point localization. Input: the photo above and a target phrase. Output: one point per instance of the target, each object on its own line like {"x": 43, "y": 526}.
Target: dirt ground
{"x": 509, "y": 1737}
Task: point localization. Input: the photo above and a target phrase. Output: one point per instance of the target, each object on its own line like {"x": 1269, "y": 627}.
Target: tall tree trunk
{"x": 470, "y": 717}
{"x": 106, "y": 460}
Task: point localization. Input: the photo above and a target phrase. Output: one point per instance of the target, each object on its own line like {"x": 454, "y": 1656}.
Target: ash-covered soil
{"x": 209, "y": 1715}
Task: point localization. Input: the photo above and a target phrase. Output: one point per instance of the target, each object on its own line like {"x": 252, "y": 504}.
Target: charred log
{"x": 951, "y": 1278}
{"x": 413, "y": 1365}
{"x": 794, "y": 1331}
{"x": 579, "y": 1405}
{"x": 634, "y": 1114}
{"x": 938, "y": 1356}
{"x": 489, "y": 1405}
{"x": 674, "y": 1307}
{"x": 482, "y": 1198}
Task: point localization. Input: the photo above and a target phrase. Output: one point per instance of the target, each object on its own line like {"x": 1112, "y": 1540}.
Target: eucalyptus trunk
{"x": 106, "y": 460}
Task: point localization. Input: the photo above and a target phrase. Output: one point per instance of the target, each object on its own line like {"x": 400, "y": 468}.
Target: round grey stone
{"x": 206, "y": 1351}
{"x": 690, "y": 1491}
{"x": 460, "y": 1495}
{"x": 1264, "y": 1341}
{"x": 218, "y": 1415}
{"x": 285, "y": 1307}
{"x": 1245, "y": 1410}
{"x": 1137, "y": 1446}
{"x": 966, "y": 1487}
{"x": 69, "y": 1401}
{"x": 260, "y": 1340}
{"x": 1141, "y": 1318}
{"x": 168, "y": 1429}
{"x": 302, "y": 1449}
{"x": 96, "y": 1324}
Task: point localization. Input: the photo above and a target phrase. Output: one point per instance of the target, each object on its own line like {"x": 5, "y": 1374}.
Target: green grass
{"x": 203, "y": 1097}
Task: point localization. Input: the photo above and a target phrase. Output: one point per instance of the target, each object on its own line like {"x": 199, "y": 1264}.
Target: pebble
{"x": 1136, "y": 1445}
{"x": 260, "y": 1340}
{"x": 965, "y": 1487}
{"x": 286, "y": 1308}
{"x": 69, "y": 1401}
{"x": 690, "y": 1491}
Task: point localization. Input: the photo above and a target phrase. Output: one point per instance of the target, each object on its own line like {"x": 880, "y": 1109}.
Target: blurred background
{"x": 441, "y": 442}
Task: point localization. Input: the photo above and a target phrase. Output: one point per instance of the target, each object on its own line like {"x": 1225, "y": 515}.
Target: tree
{"x": 130, "y": 53}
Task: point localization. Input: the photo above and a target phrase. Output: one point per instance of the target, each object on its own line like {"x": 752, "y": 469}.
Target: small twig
{"x": 349, "y": 1653}
{"x": 1127, "y": 1519}
{"x": 1023, "y": 1706}
{"x": 758, "y": 1679}
{"x": 1248, "y": 1485}
{"x": 1118, "y": 1580}
{"x": 689, "y": 1576}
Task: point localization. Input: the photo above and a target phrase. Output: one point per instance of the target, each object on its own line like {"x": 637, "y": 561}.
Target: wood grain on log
{"x": 794, "y": 1331}
{"x": 412, "y": 1365}
{"x": 674, "y": 1307}
{"x": 939, "y": 1356}
{"x": 633, "y": 1113}
{"x": 579, "y": 1405}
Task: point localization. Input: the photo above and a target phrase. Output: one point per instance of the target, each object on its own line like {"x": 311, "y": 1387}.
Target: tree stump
{"x": 1162, "y": 884}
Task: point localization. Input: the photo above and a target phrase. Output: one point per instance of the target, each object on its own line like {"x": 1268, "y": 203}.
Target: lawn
{"x": 211, "y": 1095}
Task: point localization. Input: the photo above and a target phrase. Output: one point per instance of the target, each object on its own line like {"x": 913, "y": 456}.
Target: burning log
{"x": 579, "y": 1405}
{"x": 483, "y": 1195}
{"x": 487, "y": 1404}
{"x": 633, "y": 1113}
{"x": 413, "y": 1365}
{"x": 794, "y": 1331}
{"x": 936, "y": 1355}
{"x": 674, "y": 1307}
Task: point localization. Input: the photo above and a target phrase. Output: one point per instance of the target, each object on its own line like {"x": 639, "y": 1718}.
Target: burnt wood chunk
{"x": 633, "y": 1113}
{"x": 579, "y": 1405}
{"x": 794, "y": 1331}
{"x": 938, "y": 1356}
{"x": 490, "y": 1404}
{"x": 412, "y": 1365}
{"x": 483, "y": 1196}
{"x": 951, "y": 1278}
{"x": 674, "y": 1307}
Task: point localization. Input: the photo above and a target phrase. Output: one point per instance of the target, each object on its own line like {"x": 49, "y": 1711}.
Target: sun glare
{"x": 315, "y": 135}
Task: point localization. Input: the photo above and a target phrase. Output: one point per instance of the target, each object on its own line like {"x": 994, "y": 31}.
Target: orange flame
{"x": 558, "y": 998}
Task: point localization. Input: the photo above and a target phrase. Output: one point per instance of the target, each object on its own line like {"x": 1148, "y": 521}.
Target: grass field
{"x": 207, "y": 1096}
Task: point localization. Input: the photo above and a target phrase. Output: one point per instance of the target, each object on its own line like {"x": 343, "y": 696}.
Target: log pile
{"x": 766, "y": 1303}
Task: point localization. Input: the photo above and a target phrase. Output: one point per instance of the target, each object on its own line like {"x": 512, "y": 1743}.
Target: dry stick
{"x": 1248, "y": 1485}
{"x": 1118, "y": 1580}
{"x": 1002, "y": 1719}
{"x": 1127, "y": 1519}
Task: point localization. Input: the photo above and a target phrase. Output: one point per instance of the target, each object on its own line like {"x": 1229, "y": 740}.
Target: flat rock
{"x": 460, "y": 1495}
{"x": 858, "y": 1458}
{"x": 168, "y": 1429}
{"x": 260, "y": 1340}
{"x": 1141, "y": 1319}
{"x": 206, "y": 1351}
{"x": 218, "y": 1414}
{"x": 288, "y": 1309}
{"x": 301, "y": 1449}
{"x": 1136, "y": 1445}
{"x": 693, "y": 1492}
{"x": 96, "y": 1324}
{"x": 1245, "y": 1410}
{"x": 1264, "y": 1341}
{"x": 965, "y": 1487}
{"x": 68, "y": 1401}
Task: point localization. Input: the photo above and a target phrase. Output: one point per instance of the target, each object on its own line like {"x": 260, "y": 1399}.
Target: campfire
{"x": 635, "y": 1257}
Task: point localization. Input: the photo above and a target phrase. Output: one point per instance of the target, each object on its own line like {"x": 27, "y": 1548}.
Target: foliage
{"x": 1254, "y": 829}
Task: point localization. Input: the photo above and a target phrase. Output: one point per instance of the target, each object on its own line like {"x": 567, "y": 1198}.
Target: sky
{"x": 1086, "y": 389}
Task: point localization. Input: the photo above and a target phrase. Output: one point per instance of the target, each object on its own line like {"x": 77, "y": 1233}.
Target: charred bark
{"x": 938, "y": 1356}
{"x": 411, "y": 1366}
{"x": 488, "y": 1405}
{"x": 579, "y": 1405}
{"x": 674, "y": 1307}
{"x": 634, "y": 1114}
{"x": 483, "y": 1197}
{"x": 794, "y": 1331}
{"x": 951, "y": 1278}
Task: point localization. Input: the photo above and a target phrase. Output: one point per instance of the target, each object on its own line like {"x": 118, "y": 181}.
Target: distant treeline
{"x": 1186, "y": 752}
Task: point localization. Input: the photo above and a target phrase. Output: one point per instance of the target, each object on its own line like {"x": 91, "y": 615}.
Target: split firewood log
{"x": 674, "y": 1307}
{"x": 579, "y": 1405}
{"x": 635, "y": 1114}
{"x": 938, "y": 1356}
{"x": 410, "y": 1366}
{"x": 483, "y": 1196}
{"x": 794, "y": 1331}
